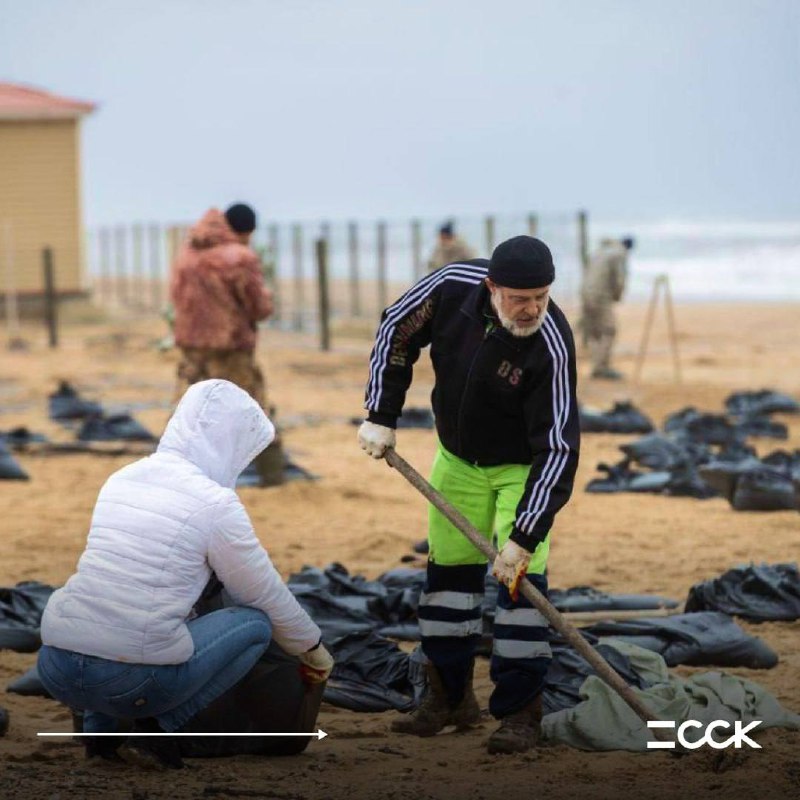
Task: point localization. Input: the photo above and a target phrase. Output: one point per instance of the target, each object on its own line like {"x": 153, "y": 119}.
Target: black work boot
{"x": 103, "y": 748}
{"x": 518, "y": 732}
{"x": 151, "y": 752}
{"x": 434, "y": 712}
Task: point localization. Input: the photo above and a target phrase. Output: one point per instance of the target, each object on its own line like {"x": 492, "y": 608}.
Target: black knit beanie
{"x": 522, "y": 263}
{"x": 241, "y": 218}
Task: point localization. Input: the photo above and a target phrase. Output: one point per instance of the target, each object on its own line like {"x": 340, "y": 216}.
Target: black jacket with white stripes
{"x": 498, "y": 398}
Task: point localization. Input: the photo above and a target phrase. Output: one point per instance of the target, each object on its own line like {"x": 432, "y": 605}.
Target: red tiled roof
{"x": 25, "y": 102}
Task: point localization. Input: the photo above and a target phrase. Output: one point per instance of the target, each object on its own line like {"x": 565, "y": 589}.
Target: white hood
{"x": 219, "y": 428}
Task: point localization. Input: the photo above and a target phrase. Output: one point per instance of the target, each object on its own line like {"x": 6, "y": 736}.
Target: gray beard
{"x": 513, "y": 328}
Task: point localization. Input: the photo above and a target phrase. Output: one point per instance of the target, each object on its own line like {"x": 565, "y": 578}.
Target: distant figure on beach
{"x": 604, "y": 285}
{"x": 219, "y": 297}
{"x": 450, "y": 248}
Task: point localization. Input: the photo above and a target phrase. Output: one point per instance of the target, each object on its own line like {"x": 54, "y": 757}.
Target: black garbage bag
{"x": 410, "y": 418}
{"x": 622, "y": 478}
{"x": 686, "y": 482}
{"x": 416, "y": 418}
{"x": 100, "y": 428}
{"x": 21, "y": 610}
{"x": 722, "y": 476}
{"x": 271, "y": 698}
{"x": 764, "y": 490}
{"x": 755, "y": 592}
{"x": 660, "y": 452}
{"x": 19, "y": 438}
{"x": 704, "y": 638}
{"x": 785, "y": 462}
{"x": 753, "y": 425}
{"x": 702, "y": 427}
{"x": 568, "y": 670}
{"x": 66, "y": 404}
{"x": 765, "y": 401}
{"x": 10, "y": 470}
{"x": 250, "y": 476}
{"x": 374, "y": 674}
{"x": 587, "y": 598}
{"x": 28, "y": 684}
{"x": 623, "y": 417}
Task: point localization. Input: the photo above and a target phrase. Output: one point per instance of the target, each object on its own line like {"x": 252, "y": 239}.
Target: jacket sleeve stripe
{"x": 557, "y": 458}
{"x": 417, "y": 294}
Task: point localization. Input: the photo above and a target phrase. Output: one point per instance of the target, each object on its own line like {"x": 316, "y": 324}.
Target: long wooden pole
{"x": 537, "y": 599}
{"x": 648, "y": 324}
{"x": 673, "y": 334}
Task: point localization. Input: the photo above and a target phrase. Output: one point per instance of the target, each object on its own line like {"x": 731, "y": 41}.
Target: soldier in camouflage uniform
{"x": 451, "y": 248}
{"x": 219, "y": 296}
{"x": 604, "y": 285}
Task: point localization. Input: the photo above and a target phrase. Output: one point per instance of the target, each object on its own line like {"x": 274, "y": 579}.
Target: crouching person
{"x": 117, "y": 638}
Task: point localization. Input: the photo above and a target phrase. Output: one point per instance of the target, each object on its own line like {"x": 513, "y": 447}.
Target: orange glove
{"x": 510, "y": 566}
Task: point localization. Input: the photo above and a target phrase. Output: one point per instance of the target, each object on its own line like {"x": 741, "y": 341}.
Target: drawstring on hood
{"x": 219, "y": 428}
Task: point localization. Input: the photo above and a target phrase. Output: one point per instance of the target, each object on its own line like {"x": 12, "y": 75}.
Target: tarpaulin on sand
{"x": 603, "y": 721}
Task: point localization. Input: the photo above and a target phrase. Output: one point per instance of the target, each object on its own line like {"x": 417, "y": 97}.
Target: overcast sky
{"x": 309, "y": 108}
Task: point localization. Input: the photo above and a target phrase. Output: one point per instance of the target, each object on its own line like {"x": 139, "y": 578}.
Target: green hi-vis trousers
{"x": 488, "y": 498}
{"x": 450, "y": 606}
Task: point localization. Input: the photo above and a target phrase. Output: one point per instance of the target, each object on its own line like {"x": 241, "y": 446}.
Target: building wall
{"x": 40, "y": 198}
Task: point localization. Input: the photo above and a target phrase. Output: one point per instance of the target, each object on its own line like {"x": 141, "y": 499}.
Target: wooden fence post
{"x": 583, "y": 240}
{"x": 156, "y": 278}
{"x": 137, "y": 275}
{"x": 383, "y": 292}
{"x": 416, "y": 248}
{"x": 298, "y": 301}
{"x": 12, "y": 303}
{"x": 104, "y": 285}
{"x": 120, "y": 266}
{"x": 355, "y": 288}
{"x": 50, "y": 311}
{"x": 490, "y": 235}
{"x": 324, "y": 299}
{"x": 273, "y": 242}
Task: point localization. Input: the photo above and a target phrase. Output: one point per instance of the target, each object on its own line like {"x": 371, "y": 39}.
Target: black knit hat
{"x": 522, "y": 263}
{"x": 241, "y": 218}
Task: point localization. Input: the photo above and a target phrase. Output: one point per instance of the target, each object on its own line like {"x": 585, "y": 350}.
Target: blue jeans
{"x": 227, "y": 644}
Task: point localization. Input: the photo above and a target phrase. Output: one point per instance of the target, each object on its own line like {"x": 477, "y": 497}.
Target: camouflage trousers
{"x": 239, "y": 367}
{"x": 599, "y": 329}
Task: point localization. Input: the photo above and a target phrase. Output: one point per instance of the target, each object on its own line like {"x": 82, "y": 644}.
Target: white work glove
{"x": 316, "y": 664}
{"x": 511, "y": 565}
{"x": 375, "y": 438}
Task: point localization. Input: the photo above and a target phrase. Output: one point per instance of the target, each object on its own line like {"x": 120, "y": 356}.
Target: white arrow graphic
{"x": 319, "y": 734}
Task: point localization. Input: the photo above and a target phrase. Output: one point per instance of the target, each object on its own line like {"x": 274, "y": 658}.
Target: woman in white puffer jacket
{"x": 118, "y": 640}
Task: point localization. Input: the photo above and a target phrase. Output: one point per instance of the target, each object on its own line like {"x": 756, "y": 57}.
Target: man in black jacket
{"x": 507, "y": 421}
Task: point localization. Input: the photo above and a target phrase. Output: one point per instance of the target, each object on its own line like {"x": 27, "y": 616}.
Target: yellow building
{"x": 40, "y": 203}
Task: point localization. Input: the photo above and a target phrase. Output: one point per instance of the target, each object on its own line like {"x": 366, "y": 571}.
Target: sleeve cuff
{"x": 379, "y": 418}
{"x": 530, "y": 541}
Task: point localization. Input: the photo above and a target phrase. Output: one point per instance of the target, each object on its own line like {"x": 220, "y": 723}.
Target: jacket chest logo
{"x": 511, "y": 373}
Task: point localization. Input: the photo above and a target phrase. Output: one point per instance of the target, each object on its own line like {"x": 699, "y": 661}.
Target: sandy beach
{"x": 365, "y": 516}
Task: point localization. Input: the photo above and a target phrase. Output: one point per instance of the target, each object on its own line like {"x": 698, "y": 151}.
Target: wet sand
{"x": 362, "y": 514}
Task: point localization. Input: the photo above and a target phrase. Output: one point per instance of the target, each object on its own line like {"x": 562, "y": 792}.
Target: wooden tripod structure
{"x": 661, "y": 283}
